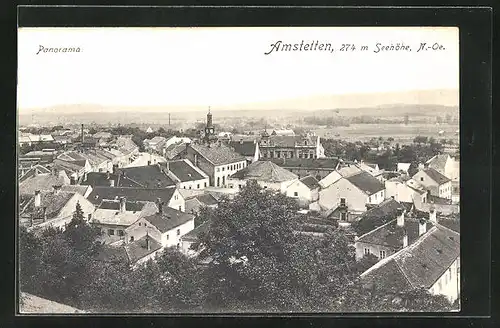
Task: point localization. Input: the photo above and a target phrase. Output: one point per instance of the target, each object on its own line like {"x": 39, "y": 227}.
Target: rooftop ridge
{"x": 370, "y": 232}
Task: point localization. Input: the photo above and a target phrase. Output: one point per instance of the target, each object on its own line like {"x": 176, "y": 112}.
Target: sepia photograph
{"x": 211, "y": 170}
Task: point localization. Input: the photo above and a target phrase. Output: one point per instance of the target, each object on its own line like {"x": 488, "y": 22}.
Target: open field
{"x": 400, "y": 132}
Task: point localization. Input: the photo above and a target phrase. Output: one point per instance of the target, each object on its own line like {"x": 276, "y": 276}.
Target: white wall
{"x": 170, "y": 238}
{"x": 355, "y": 199}
{"x": 177, "y": 201}
{"x": 449, "y": 283}
{"x": 226, "y": 170}
{"x": 195, "y": 184}
{"x": 376, "y": 198}
{"x": 445, "y": 190}
{"x": 303, "y": 192}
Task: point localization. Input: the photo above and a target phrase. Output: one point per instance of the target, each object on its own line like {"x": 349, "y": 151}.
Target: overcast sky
{"x": 223, "y": 66}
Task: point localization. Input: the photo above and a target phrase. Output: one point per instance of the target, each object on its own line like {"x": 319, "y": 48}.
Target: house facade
{"x": 186, "y": 175}
{"x": 438, "y": 184}
{"x": 305, "y": 190}
{"x": 405, "y": 191}
{"x": 303, "y": 146}
{"x": 267, "y": 174}
{"x": 319, "y": 168}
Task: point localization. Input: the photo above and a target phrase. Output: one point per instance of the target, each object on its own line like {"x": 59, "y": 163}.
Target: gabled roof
{"x": 438, "y": 162}
{"x": 71, "y": 166}
{"x": 264, "y": 171}
{"x": 138, "y": 249}
{"x": 292, "y": 141}
{"x": 50, "y": 203}
{"x": 149, "y": 176}
{"x": 244, "y": 148}
{"x": 115, "y": 217}
{"x": 183, "y": 171}
{"x": 420, "y": 264}
{"x": 82, "y": 190}
{"x": 174, "y": 149}
{"x": 193, "y": 205}
{"x": 366, "y": 183}
{"x": 378, "y": 216}
{"x": 45, "y": 181}
{"x": 307, "y": 163}
{"x": 100, "y": 179}
{"x": 132, "y": 206}
{"x": 391, "y": 235}
{"x": 436, "y": 176}
{"x": 217, "y": 154}
{"x": 168, "y": 219}
{"x": 349, "y": 170}
{"x": 193, "y": 234}
{"x": 310, "y": 182}
{"x": 112, "y": 254}
{"x": 131, "y": 194}
{"x": 37, "y": 169}
{"x": 207, "y": 199}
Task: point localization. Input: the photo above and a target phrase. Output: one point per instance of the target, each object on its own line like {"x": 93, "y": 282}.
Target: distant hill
{"x": 423, "y": 102}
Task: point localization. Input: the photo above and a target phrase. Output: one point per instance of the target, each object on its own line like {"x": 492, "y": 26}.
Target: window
{"x": 167, "y": 237}
{"x": 218, "y": 181}
{"x": 223, "y": 168}
{"x": 198, "y": 186}
{"x": 369, "y": 199}
{"x": 343, "y": 216}
{"x": 189, "y": 187}
{"x": 205, "y": 184}
{"x": 131, "y": 238}
{"x": 180, "y": 208}
{"x": 421, "y": 178}
{"x": 176, "y": 197}
{"x": 121, "y": 233}
{"x": 178, "y": 232}
{"x": 111, "y": 232}
{"x": 382, "y": 254}
{"x": 296, "y": 194}
{"x": 218, "y": 169}
{"x": 367, "y": 251}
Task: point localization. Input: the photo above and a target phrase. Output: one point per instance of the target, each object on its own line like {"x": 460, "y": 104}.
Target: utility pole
{"x": 169, "y": 120}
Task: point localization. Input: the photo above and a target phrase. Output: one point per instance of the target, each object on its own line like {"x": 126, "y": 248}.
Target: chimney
{"x": 401, "y": 217}
{"x": 148, "y": 244}
{"x": 57, "y": 189}
{"x": 38, "y": 198}
{"x": 83, "y": 136}
{"x": 123, "y": 202}
{"x": 405, "y": 240}
{"x": 159, "y": 204}
{"x": 422, "y": 227}
{"x": 432, "y": 215}
{"x": 111, "y": 182}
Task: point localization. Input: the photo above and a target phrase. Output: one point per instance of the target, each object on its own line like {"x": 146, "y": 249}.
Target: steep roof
{"x": 292, "y": 141}
{"x": 436, "y": 176}
{"x": 307, "y": 163}
{"x": 168, "y": 219}
{"x": 37, "y": 305}
{"x": 438, "y": 162}
{"x": 132, "y": 206}
{"x": 174, "y": 149}
{"x": 264, "y": 171}
{"x": 149, "y": 176}
{"x": 244, "y": 148}
{"x": 183, "y": 171}
{"x": 377, "y": 216}
{"x": 115, "y": 217}
{"x": 217, "y": 154}
{"x": 391, "y": 235}
{"x": 44, "y": 181}
{"x": 349, "y": 170}
{"x": 131, "y": 194}
{"x": 310, "y": 182}
{"x": 138, "y": 249}
{"x": 207, "y": 199}
{"x": 50, "y": 202}
{"x": 193, "y": 205}
{"x": 36, "y": 169}
{"x": 366, "y": 183}
{"x": 193, "y": 234}
{"x": 418, "y": 265}
{"x": 100, "y": 179}
{"x": 82, "y": 190}
{"x": 71, "y": 166}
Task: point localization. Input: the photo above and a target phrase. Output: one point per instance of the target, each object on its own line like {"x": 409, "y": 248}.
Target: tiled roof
{"x": 244, "y": 148}
{"x": 102, "y": 134}
{"x": 450, "y": 223}
{"x": 138, "y": 249}
{"x": 149, "y": 176}
{"x": 264, "y": 171}
{"x": 440, "y": 209}
{"x": 366, "y": 183}
{"x": 418, "y": 265}
{"x": 71, "y": 166}
{"x": 115, "y": 217}
{"x": 193, "y": 234}
{"x": 175, "y": 149}
{"x": 37, "y": 169}
{"x": 438, "y": 200}
{"x": 307, "y": 163}
{"x": 168, "y": 219}
{"x": 284, "y": 132}
{"x": 115, "y": 205}
{"x": 217, "y": 154}
{"x": 378, "y": 216}
{"x": 50, "y": 202}
{"x": 82, "y": 190}
{"x": 292, "y": 141}
{"x": 436, "y": 176}
{"x": 438, "y": 162}
{"x": 44, "y": 181}
{"x": 112, "y": 254}
{"x": 131, "y": 194}
{"x": 207, "y": 199}
{"x": 349, "y": 170}
{"x": 193, "y": 205}
{"x": 100, "y": 179}
{"x": 36, "y": 305}
{"x": 416, "y": 186}
{"x": 183, "y": 171}
{"x": 310, "y": 182}
{"x": 391, "y": 235}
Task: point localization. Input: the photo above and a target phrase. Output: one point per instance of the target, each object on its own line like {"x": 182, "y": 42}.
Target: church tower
{"x": 209, "y": 128}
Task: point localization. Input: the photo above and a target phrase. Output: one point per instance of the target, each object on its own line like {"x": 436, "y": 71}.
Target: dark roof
{"x": 366, "y": 183}
{"x": 377, "y": 216}
{"x": 391, "y": 235}
{"x": 149, "y": 176}
{"x": 138, "y": 249}
{"x": 183, "y": 171}
{"x": 309, "y": 163}
{"x": 115, "y": 205}
{"x": 194, "y": 234}
{"x": 450, "y": 223}
{"x": 291, "y": 141}
{"x": 436, "y": 176}
{"x": 37, "y": 169}
{"x": 217, "y": 154}
{"x": 169, "y": 219}
{"x": 114, "y": 254}
{"x": 132, "y": 194}
{"x": 310, "y": 182}
{"x": 100, "y": 179}
{"x": 244, "y": 148}
{"x": 72, "y": 166}
{"x": 82, "y": 190}
{"x": 207, "y": 199}
{"x": 418, "y": 265}
{"x": 175, "y": 149}
{"x": 264, "y": 171}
